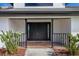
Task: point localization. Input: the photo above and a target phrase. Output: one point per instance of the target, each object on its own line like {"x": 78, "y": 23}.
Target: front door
{"x": 38, "y": 31}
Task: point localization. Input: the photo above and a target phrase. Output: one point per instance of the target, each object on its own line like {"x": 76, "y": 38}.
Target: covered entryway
{"x": 41, "y": 32}
{"x": 38, "y": 32}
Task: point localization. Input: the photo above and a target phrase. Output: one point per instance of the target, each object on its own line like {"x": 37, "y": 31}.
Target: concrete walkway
{"x": 39, "y": 52}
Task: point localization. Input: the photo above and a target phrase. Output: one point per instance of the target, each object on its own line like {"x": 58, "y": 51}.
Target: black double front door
{"x": 38, "y": 31}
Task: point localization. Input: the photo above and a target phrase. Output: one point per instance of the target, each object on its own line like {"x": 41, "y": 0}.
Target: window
{"x": 71, "y": 4}
{"x": 38, "y": 4}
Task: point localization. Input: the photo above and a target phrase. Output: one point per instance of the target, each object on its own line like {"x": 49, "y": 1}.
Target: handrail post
{"x": 26, "y": 31}
{"x": 52, "y": 32}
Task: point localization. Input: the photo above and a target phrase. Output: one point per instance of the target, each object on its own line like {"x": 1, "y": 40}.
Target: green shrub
{"x": 11, "y": 41}
{"x": 73, "y": 48}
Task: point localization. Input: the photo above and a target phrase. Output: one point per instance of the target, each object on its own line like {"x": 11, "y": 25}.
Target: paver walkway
{"x": 39, "y": 52}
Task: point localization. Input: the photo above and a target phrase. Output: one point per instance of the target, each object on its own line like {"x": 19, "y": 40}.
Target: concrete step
{"x": 39, "y": 52}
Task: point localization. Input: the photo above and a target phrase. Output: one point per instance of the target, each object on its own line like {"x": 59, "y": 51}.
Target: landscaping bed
{"x": 20, "y": 52}
{"x": 60, "y": 51}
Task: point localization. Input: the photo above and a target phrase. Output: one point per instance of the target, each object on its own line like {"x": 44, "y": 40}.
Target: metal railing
{"x": 22, "y": 41}
{"x": 58, "y": 38}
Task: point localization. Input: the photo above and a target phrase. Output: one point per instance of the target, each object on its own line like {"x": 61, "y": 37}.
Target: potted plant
{"x": 11, "y": 41}
{"x": 73, "y": 40}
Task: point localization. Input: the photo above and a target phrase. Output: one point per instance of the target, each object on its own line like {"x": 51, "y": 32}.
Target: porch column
{"x": 52, "y": 32}
{"x": 26, "y": 31}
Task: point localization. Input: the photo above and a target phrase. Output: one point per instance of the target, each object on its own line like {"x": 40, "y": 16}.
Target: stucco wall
{"x": 74, "y": 25}
{"x": 61, "y": 25}
{"x": 17, "y": 24}
{"x": 4, "y": 24}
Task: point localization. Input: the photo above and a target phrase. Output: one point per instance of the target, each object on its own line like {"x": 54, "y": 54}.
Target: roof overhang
{"x": 67, "y": 11}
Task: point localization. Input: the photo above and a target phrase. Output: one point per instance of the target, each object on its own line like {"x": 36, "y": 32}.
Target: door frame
{"x": 42, "y": 23}
{"x": 51, "y": 31}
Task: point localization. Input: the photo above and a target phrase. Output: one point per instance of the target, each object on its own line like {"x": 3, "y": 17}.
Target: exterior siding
{"x": 74, "y": 25}
{"x": 17, "y": 24}
{"x": 4, "y": 24}
{"x": 61, "y": 25}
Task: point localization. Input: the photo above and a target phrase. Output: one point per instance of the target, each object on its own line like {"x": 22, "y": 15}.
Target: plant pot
{"x": 21, "y": 51}
{"x": 77, "y": 53}
{"x": 2, "y": 51}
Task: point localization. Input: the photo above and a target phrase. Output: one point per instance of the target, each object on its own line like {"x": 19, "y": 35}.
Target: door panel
{"x": 38, "y": 31}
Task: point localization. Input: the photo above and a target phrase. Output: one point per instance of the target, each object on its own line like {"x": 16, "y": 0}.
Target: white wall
{"x": 75, "y": 25}
{"x": 17, "y": 25}
{"x": 62, "y": 26}
{"x": 4, "y": 24}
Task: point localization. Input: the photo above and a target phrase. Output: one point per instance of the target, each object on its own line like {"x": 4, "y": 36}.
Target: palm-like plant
{"x": 11, "y": 41}
{"x": 73, "y": 48}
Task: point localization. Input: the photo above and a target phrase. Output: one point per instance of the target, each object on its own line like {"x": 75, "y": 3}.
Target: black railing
{"x": 57, "y": 38}
{"x": 22, "y": 41}
{"x": 60, "y": 39}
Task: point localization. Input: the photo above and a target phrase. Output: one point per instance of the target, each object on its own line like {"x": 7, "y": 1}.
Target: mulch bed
{"x": 60, "y": 51}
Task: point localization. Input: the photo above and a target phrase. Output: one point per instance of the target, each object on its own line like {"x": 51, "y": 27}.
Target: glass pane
{"x": 38, "y": 4}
